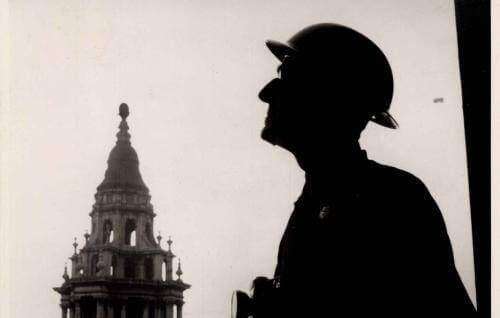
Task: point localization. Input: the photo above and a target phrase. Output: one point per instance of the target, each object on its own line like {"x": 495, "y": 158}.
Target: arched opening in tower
{"x": 164, "y": 271}
{"x": 112, "y": 269}
{"x": 130, "y": 237}
{"x": 108, "y": 232}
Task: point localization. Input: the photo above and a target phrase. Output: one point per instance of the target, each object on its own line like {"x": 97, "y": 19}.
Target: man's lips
{"x": 271, "y": 115}
{"x": 267, "y": 121}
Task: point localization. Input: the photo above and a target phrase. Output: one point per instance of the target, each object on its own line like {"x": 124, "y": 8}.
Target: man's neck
{"x": 335, "y": 161}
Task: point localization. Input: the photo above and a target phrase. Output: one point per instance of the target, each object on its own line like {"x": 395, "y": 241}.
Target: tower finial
{"x": 179, "y": 270}
{"x": 123, "y": 137}
{"x": 65, "y": 274}
{"x": 86, "y": 236}
{"x": 75, "y": 245}
{"x": 123, "y": 111}
{"x": 159, "y": 237}
{"x": 169, "y": 242}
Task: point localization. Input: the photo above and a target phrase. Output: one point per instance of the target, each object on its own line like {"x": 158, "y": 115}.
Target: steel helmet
{"x": 351, "y": 57}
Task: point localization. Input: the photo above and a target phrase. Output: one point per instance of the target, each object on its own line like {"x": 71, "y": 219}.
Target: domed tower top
{"x": 123, "y": 163}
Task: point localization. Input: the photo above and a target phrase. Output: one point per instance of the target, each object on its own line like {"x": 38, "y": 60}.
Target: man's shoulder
{"x": 392, "y": 178}
{"x": 410, "y": 200}
{"x": 395, "y": 174}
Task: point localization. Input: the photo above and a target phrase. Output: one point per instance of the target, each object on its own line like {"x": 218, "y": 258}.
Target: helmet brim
{"x": 385, "y": 119}
{"x": 280, "y": 50}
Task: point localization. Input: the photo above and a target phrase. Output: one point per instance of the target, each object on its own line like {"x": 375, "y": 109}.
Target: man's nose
{"x": 270, "y": 91}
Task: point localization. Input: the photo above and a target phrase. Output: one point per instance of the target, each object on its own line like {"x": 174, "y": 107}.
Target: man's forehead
{"x": 292, "y": 63}
{"x": 303, "y": 71}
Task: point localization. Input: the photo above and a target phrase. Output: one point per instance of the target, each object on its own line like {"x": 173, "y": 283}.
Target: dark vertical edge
{"x": 474, "y": 50}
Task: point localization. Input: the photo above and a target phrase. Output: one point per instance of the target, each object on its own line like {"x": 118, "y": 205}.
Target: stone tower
{"x": 122, "y": 271}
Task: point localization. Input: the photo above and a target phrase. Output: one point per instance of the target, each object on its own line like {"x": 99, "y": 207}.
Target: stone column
{"x": 100, "y": 309}
{"x": 170, "y": 310}
{"x": 77, "y": 310}
{"x": 119, "y": 231}
{"x": 145, "y": 313}
{"x": 85, "y": 260}
{"x": 98, "y": 228}
{"x": 123, "y": 313}
{"x": 120, "y": 267}
{"x": 169, "y": 269}
{"x": 72, "y": 312}
{"x": 107, "y": 260}
{"x": 140, "y": 268}
{"x": 74, "y": 266}
{"x": 158, "y": 311}
{"x": 111, "y": 310}
{"x": 64, "y": 311}
{"x": 179, "y": 310}
{"x": 158, "y": 262}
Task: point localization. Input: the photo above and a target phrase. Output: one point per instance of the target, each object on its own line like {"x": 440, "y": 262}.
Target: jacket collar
{"x": 337, "y": 180}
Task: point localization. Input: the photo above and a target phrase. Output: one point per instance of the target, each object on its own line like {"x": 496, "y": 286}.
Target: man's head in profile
{"x": 332, "y": 81}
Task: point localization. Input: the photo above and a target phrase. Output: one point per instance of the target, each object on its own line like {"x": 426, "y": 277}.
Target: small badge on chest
{"x": 325, "y": 212}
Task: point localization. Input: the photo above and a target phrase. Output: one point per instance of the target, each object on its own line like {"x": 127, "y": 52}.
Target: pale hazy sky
{"x": 190, "y": 72}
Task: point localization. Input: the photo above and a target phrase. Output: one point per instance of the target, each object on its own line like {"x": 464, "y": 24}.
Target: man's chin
{"x": 269, "y": 135}
{"x": 272, "y": 136}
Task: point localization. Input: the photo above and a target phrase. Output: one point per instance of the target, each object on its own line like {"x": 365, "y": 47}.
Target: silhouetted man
{"x": 364, "y": 239}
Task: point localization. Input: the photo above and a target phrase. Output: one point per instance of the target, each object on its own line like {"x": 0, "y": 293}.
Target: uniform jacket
{"x": 372, "y": 245}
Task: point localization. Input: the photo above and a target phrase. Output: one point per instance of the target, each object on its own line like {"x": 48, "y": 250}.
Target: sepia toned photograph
{"x": 264, "y": 159}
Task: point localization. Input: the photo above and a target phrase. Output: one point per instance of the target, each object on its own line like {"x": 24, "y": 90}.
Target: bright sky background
{"x": 190, "y": 72}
